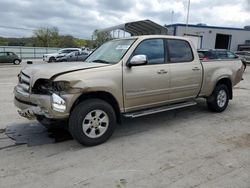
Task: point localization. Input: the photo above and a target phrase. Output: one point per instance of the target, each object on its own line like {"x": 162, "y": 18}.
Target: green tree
{"x": 50, "y": 37}
{"x": 80, "y": 43}
{"x": 47, "y": 37}
{"x": 101, "y": 37}
{"x": 66, "y": 41}
{"x": 3, "y": 42}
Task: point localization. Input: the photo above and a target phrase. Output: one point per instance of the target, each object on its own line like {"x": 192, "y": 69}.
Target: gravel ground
{"x": 189, "y": 147}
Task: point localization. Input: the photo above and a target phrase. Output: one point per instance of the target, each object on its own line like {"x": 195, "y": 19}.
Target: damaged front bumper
{"x": 31, "y": 112}
{"x": 50, "y": 106}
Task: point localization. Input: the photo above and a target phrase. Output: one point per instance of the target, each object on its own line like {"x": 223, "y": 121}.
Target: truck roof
{"x": 154, "y": 36}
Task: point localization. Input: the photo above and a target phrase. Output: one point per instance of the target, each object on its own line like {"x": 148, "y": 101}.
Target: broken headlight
{"x": 45, "y": 86}
{"x": 61, "y": 86}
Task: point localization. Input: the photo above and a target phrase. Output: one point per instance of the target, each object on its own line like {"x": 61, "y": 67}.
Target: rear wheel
{"x": 245, "y": 65}
{"x": 16, "y": 62}
{"x": 92, "y": 122}
{"x": 219, "y": 99}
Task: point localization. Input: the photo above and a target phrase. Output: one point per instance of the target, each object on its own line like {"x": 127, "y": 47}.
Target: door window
{"x": 179, "y": 51}
{"x": 2, "y": 54}
{"x": 153, "y": 49}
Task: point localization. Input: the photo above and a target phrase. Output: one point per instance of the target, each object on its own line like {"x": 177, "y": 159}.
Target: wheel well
{"x": 228, "y": 83}
{"x": 109, "y": 98}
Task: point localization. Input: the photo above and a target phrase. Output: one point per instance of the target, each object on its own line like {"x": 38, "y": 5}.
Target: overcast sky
{"x": 80, "y": 17}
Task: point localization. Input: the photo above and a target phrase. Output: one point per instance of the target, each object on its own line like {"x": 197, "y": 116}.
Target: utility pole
{"x": 171, "y": 21}
{"x": 172, "y": 17}
{"x": 187, "y": 17}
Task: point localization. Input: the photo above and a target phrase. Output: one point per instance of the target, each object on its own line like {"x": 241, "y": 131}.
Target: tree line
{"x": 50, "y": 37}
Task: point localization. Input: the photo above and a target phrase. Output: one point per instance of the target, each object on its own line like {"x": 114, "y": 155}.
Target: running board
{"x": 159, "y": 109}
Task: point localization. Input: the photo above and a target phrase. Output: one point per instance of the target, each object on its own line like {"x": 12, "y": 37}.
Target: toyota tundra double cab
{"x": 129, "y": 77}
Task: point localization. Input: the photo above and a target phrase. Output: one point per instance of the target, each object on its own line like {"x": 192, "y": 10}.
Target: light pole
{"x": 172, "y": 17}
{"x": 187, "y": 17}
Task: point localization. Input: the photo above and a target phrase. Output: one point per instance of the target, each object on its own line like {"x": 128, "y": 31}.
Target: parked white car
{"x": 52, "y": 57}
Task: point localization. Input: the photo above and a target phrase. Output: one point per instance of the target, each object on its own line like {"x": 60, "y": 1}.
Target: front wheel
{"x": 219, "y": 99}
{"x": 52, "y": 59}
{"x": 16, "y": 62}
{"x": 92, "y": 122}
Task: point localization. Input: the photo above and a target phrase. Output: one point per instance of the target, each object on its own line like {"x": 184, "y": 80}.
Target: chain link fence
{"x": 29, "y": 52}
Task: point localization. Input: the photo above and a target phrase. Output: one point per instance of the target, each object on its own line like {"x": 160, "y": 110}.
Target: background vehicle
{"x": 130, "y": 77}
{"x": 244, "y": 54}
{"x": 219, "y": 54}
{"x": 216, "y": 54}
{"x": 73, "y": 56}
{"x": 9, "y": 57}
{"x": 52, "y": 57}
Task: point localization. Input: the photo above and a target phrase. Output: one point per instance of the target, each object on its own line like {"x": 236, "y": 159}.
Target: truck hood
{"x": 52, "y": 70}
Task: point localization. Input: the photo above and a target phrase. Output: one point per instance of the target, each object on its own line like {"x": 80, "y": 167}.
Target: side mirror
{"x": 138, "y": 60}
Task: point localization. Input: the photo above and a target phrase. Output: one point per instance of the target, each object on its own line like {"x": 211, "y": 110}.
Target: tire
{"x": 245, "y": 66}
{"x": 86, "y": 126}
{"x": 52, "y": 124}
{"x": 52, "y": 59}
{"x": 244, "y": 63}
{"x": 219, "y": 99}
{"x": 16, "y": 62}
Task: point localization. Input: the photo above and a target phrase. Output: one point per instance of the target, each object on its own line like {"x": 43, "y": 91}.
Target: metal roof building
{"x": 202, "y": 35}
{"x": 143, "y": 27}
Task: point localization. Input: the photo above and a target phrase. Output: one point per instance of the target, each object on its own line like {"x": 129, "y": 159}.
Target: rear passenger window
{"x": 153, "y": 49}
{"x": 179, "y": 51}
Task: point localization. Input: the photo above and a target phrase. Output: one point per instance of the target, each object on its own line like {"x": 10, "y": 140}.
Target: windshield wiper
{"x": 101, "y": 61}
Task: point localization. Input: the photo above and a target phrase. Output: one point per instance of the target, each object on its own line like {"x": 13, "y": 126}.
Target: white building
{"x": 210, "y": 37}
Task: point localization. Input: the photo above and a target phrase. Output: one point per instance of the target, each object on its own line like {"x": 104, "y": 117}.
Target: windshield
{"x": 62, "y": 51}
{"x": 65, "y": 51}
{"x": 111, "y": 52}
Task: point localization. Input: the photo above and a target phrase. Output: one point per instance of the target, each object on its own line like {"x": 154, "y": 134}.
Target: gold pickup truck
{"x": 128, "y": 77}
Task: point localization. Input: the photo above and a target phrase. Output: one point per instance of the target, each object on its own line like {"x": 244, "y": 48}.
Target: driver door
{"x": 147, "y": 85}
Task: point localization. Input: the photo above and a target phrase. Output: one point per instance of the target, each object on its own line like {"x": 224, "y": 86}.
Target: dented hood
{"x": 52, "y": 70}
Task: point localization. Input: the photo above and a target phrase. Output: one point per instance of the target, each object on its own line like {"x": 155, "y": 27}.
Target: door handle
{"x": 162, "y": 71}
{"x": 196, "y": 69}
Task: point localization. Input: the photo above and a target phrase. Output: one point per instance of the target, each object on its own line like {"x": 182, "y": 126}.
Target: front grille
{"x": 24, "y": 82}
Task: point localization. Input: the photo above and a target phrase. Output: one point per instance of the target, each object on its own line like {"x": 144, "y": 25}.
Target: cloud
{"x": 229, "y": 13}
{"x": 248, "y": 5}
{"x": 80, "y": 17}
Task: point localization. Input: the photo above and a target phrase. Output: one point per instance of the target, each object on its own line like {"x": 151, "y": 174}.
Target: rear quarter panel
{"x": 215, "y": 70}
